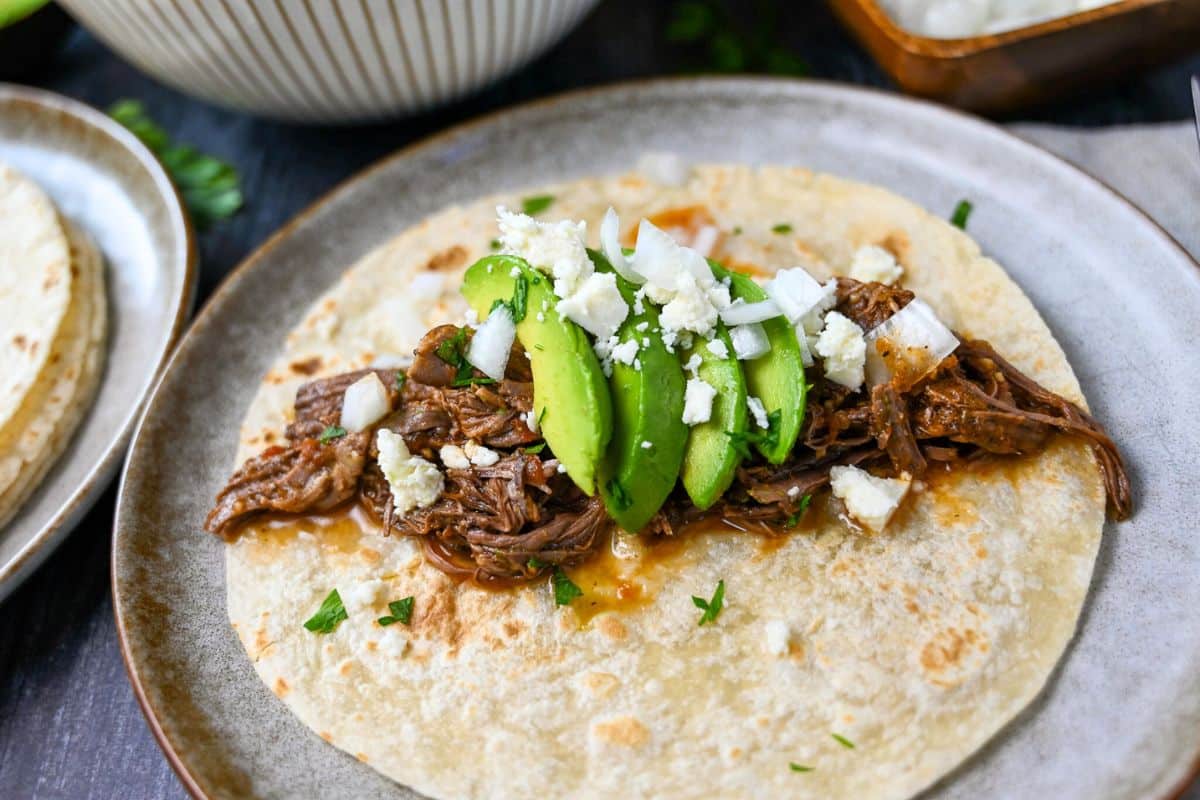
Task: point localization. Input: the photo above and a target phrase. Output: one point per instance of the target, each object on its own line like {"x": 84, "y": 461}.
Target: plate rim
{"x": 228, "y": 283}
{"x": 54, "y": 530}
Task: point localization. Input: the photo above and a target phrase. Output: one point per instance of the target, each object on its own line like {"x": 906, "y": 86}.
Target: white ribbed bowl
{"x": 328, "y": 60}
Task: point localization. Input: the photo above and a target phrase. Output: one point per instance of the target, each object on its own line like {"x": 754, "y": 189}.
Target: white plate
{"x": 101, "y": 177}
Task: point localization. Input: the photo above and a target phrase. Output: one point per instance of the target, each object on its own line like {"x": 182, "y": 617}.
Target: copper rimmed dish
{"x": 1112, "y": 282}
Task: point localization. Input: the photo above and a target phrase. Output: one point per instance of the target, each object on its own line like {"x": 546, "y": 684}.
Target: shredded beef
{"x": 870, "y": 304}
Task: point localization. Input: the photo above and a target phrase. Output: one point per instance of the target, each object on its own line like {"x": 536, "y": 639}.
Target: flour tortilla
{"x": 916, "y": 645}
{"x": 63, "y": 391}
{"x": 35, "y": 289}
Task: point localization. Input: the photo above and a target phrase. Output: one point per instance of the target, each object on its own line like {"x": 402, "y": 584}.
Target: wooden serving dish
{"x": 1003, "y": 72}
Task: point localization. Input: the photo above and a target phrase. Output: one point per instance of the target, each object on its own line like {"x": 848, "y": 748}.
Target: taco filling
{"x": 648, "y": 390}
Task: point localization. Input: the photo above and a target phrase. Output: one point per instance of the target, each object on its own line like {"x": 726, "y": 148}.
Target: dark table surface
{"x": 69, "y": 724}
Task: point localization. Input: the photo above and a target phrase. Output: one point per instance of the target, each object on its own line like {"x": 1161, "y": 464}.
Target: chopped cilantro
{"x": 518, "y": 305}
{"x": 538, "y": 346}
{"x": 535, "y": 448}
{"x": 451, "y": 350}
{"x": 843, "y": 741}
{"x": 536, "y": 204}
{"x": 211, "y": 188}
{"x": 329, "y": 615}
{"x": 741, "y": 441}
{"x": 962, "y": 212}
{"x": 804, "y": 501}
{"x": 331, "y": 433}
{"x": 400, "y": 379}
{"x": 711, "y": 608}
{"x": 494, "y": 244}
{"x": 401, "y": 612}
{"x": 620, "y": 497}
{"x": 737, "y": 230}
{"x": 564, "y": 590}
{"x": 466, "y": 377}
{"x": 497, "y": 303}
{"x": 794, "y": 767}
{"x": 783, "y": 227}
{"x": 535, "y": 563}
{"x": 541, "y": 416}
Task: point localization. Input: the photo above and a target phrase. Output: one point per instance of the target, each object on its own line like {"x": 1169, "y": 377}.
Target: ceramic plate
{"x": 1120, "y": 717}
{"x": 100, "y": 176}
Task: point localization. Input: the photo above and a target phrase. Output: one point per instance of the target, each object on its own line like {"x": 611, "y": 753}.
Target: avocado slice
{"x": 777, "y": 378}
{"x": 635, "y": 480}
{"x": 710, "y": 458}
{"x": 570, "y": 394}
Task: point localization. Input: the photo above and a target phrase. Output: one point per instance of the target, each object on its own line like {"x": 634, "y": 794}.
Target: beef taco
{"x": 762, "y": 483}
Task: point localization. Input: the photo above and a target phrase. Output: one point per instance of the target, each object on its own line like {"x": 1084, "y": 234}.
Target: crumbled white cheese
{"x": 697, "y": 402}
{"x": 637, "y": 364}
{"x": 647, "y": 444}
{"x": 680, "y": 280}
{"x": 718, "y": 348}
{"x": 868, "y": 499}
{"x": 626, "y": 352}
{"x": 778, "y": 636}
{"x": 645, "y": 341}
{"x": 471, "y": 318}
{"x": 843, "y": 349}
{"x": 515, "y": 272}
{"x": 530, "y": 419}
{"x": 541, "y": 316}
{"x": 801, "y": 298}
{"x": 873, "y": 263}
{"x": 364, "y": 403}
{"x": 693, "y": 364}
{"x": 641, "y": 326}
{"x": 454, "y": 457}
{"x": 596, "y": 306}
{"x": 793, "y": 492}
{"x": 415, "y": 483}
{"x": 750, "y": 341}
{"x": 479, "y": 455}
{"x": 561, "y": 469}
{"x": 638, "y": 305}
{"x": 553, "y": 247}
{"x": 758, "y": 411}
{"x": 360, "y": 598}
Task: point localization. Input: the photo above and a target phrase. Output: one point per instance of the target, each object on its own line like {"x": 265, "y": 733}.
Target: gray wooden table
{"x": 69, "y": 725}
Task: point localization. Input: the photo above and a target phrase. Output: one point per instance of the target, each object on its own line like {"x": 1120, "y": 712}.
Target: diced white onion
{"x": 656, "y": 255}
{"x": 797, "y": 293}
{"x": 492, "y": 343}
{"x": 610, "y": 244}
{"x": 665, "y": 168}
{"x": 705, "y": 240}
{"x": 806, "y": 356}
{"x": 749, "y": 341}
{"x": 364, "y": 403}
{"x": 745, "y": 313}
{"x": 909, "y": 345}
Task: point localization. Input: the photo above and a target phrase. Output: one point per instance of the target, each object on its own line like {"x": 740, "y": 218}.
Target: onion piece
{"x": 665, "y": 168}
{"x": 749, "y": 341}
{"x": 492, "y": 343}
{"x": 656, "y": 256}
{"x": 806, "y": 356}
{"x": 364, "y": 403}
{"x": 908, "y": 346}
{"x": 745, "y": 313}
{"x": 705, "y": 240}
{"x": 610, "y": 244}
{"x": 798, "y": 295}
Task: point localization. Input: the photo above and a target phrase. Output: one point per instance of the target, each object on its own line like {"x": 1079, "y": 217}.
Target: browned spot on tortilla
{"x": 947, "y": 649}
{"x": 361, "y": 757}
{"x": 448, "y": 259}
{"x": 329, "y": 304}
{"x": 372, "y": 645}
{"x": 281, "y": 687}
{"x": 260, "y": 639}
{"x": 512, "y": 628}
{"x": 50, "y": 282}
{"x": 601, "y": 684}
{"x": 796, "y": 651}
{"x": 632, "y": 181}
{"x": 370, "y": 556}
{"x": 912, "y": 607}
{"x": 308, "y": 366}
{"x": 611, "y": 627}
{"x": 275, "y": 378}
{"x": 347, "y": 667}
{"x": 20, "y": 341}
{"x": 327, "y": 736}
{"x": 268, "y": 436}
{"x": 735, "y": 752}
{"x": 624, "y": 731}
{"x": 897, "y": 243}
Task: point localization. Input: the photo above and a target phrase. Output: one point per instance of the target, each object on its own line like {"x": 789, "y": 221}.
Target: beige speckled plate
{"x": 101, "y": 177}
{"x": 1120, "y": 718}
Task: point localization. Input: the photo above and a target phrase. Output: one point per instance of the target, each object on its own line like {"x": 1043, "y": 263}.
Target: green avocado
{"x": 12, "y": 11}
{"x": 710, "y": 458}
{"x": 635, "y": 480}
{"x": 777, "y": 378}
{"x": 570, "y": 395}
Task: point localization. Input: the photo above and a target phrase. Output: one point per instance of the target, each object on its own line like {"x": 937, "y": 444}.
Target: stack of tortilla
{"x": 53, "y": 319}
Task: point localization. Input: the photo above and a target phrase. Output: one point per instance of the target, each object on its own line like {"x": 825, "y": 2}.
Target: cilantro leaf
{"x": 794, "y": 767}
{"x": 451, "y": 350}
{"x": 534, "y": 449}
{"x": 210, "y": 187}
{"x": 401, "y": 612}
{"x": 536, "y": 204}
{"x": 400, "y": 379}
{"x": 535, "y": 563}
{"x": 962, "y": 213}
{"x": 329, "y": 615}
{"x": 518, "y": 306}
{"x": 564, "y": 590}
{"x": 782, "y": 227}
{"x": 711, "y": 608}
{"x": 330, "y": 433}
{"x": 494, "y": 244}
{"x": 767, "y": 439}
{"x": 843, "y": 741}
